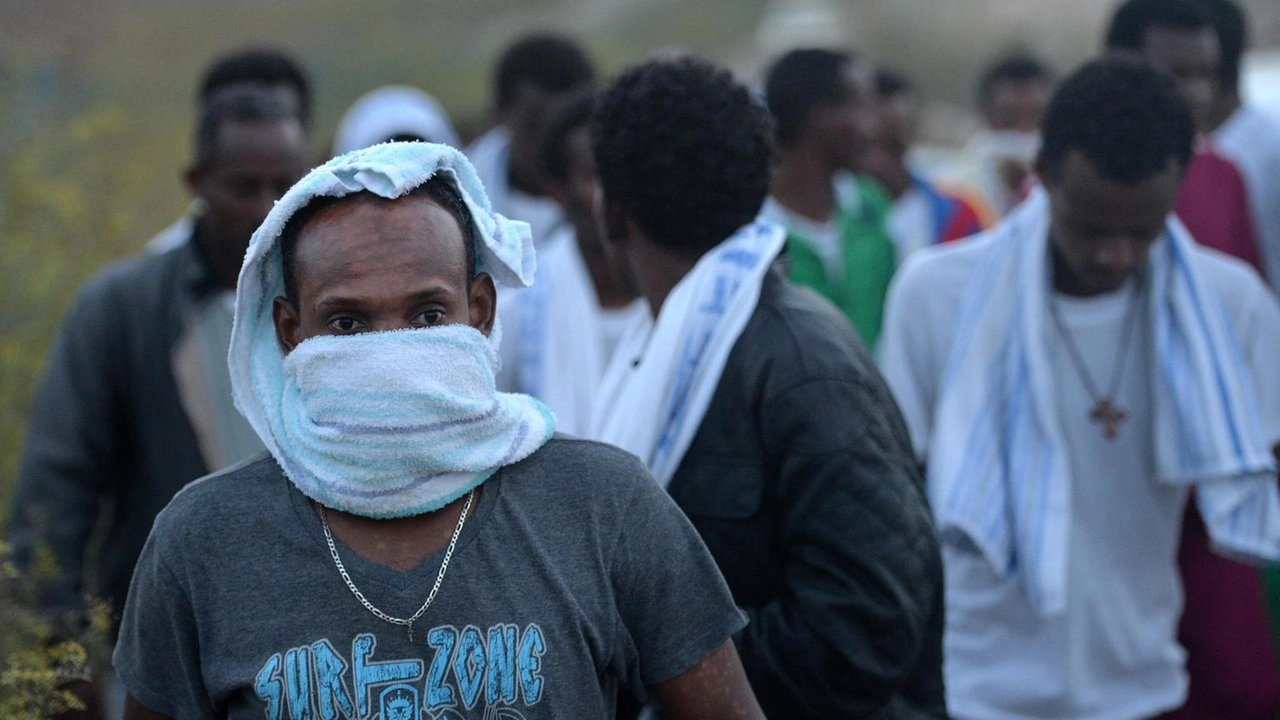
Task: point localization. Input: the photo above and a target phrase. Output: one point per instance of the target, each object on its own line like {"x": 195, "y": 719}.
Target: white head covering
{"x": 389, "y": 111}
{"x": 257, "y": 364}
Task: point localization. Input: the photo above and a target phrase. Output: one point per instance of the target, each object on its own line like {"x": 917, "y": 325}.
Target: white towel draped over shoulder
{"x": 663, "y": 374}
{"x": 997, "y": 468}
{"x": 559, "y": 349}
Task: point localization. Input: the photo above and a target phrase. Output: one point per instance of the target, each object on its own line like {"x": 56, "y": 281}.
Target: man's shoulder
{"x": 582, "y": 463}
{"x": 941, "y": 271}
{"x": 235, "y": 493}
{"x": 132, "y": 277}
{"x": 1235, "y": 283}
{"x": 1250, "y": 129}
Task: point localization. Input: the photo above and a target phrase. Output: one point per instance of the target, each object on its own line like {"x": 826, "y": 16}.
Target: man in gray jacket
{"x": 135, "y": 400}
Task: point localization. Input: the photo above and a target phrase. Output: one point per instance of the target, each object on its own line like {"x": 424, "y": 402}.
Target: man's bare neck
{"x": 802, "y": 184}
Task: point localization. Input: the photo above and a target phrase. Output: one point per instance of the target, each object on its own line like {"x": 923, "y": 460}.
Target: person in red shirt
{"x": 1231, "y": 658}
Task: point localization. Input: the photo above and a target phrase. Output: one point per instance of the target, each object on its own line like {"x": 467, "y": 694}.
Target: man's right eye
{"x": 345, "y": 324}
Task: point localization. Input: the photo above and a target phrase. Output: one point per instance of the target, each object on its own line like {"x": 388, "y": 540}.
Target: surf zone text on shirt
{"x": 499, "y": 670}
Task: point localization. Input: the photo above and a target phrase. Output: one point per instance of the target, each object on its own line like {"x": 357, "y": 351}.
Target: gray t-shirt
{"x": 574, "y": 572}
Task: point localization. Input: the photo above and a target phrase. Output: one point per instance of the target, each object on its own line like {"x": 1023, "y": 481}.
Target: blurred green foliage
{"x": 39, "y": 655}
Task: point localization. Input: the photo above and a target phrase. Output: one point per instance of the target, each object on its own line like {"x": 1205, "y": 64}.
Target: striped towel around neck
{"x": 998, "y": 469}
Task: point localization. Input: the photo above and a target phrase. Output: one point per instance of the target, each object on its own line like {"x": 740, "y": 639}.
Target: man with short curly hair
{"x": 1069, "y": 377}
{"x": 754, "y": 403}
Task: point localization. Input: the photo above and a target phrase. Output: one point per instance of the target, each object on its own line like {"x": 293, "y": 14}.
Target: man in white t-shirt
{"x": 561, "y": 333}
{"x": 1068, "y": 378}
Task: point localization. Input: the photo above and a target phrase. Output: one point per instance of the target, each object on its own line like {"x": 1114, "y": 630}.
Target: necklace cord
{"x": 444, "y": 567}
{"x": 1077, "y": 358}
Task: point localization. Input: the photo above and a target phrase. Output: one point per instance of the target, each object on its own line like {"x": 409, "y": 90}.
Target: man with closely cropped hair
{"x": 534, "y": 74}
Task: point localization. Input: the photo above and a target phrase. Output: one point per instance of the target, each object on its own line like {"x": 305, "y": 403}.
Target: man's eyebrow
{"x": 340, "y": 301}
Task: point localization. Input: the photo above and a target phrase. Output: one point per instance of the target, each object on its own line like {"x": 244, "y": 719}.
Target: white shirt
{"x": 822, "y": 237}
{"x": 825, "y": 238}
{"x": 1113, "y": 652}
{"x": 490, "y": 154}
{"x": 556, "y": 338}
{"x": 910, "y": 223}
{"x": 1251, "y": 139}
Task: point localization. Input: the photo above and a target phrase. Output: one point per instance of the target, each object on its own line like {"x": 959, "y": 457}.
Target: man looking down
{"x": 1070, "y": 378}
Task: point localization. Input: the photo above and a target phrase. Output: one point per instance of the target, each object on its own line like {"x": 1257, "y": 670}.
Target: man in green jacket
{"x": 823, "y": 105}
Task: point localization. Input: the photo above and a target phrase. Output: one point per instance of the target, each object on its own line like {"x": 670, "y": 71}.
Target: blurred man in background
{"x": 1230, "y": 653}
{"x": 1177, "y": 38}
{"x": 922, "y": 214}
{"x": 824, "y": 109}
{"x": 996, "y": 163}
{"x": 533, "y": 76}
{"x": 1070, "y": 378}
{"x": 1247, "y": 135}
{"x": 135, "y": 400}
{"x": 269, "y": 70}
{"x": 559, "y": 335}
{"x": 753, "y": 402}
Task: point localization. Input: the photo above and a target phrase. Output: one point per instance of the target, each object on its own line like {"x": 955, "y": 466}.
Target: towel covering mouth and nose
{"x": 383, "y": 424}
{"x": 998, "y": 469}
{"x": 665, "y": 371}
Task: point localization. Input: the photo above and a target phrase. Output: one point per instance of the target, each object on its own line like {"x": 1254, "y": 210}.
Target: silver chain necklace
{"x": 444, "y": 567}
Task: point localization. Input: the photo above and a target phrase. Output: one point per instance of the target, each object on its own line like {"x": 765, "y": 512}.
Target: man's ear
{"x": 557, "y": 192}
{"x": 1042, "y": 171}
{"x": 614, "y": 224}
{"x": 483, "y": 303}
{"x": 193, "y": 177}
{"x": 288, "y": 325}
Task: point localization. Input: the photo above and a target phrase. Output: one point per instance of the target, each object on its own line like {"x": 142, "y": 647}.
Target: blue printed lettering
{"x": 297, "y": 683}
{"x": 443, "y": 638}
{"x": 502, "y": 664}
{"x": 369, "y": 673}
{"x": 469, "y": 664}
{"x": 333, "y": 694}
{"x": 529, "y": 660}
{"x": 269, "y": 687}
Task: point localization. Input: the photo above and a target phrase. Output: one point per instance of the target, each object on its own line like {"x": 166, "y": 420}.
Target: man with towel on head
{"x": 1070, "y": 377}
{"x": 757, "y": 408}
{"x": 415, "y": 544}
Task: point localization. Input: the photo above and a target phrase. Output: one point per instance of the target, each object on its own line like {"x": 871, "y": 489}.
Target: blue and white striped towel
{"x": 998, "y": 469}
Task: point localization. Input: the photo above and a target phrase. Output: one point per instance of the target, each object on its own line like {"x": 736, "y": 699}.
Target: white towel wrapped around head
{"x": 322, "y": 424}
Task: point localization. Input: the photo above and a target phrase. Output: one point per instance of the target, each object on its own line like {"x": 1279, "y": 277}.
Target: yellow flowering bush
{"x": 39, "y": 656}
